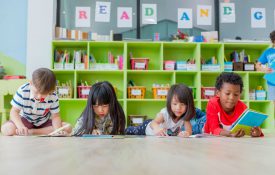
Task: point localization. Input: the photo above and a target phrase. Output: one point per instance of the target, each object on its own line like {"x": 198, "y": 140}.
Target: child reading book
{"x": 225, "y": 108}
{"x": 103, "y": 114}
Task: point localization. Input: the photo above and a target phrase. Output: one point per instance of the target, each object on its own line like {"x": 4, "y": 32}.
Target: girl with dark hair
{"x": 103, "y": 114}
{"x": 179, "y": 118}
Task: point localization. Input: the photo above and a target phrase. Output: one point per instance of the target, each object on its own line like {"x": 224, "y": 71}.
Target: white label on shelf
{"x": 139, "y": 65}
{"x": 181, "y": 66}
{"x": 209, "y": 92}
{"x": 162, "y": 92}
{"x": 228, "y": 66}
{"x": 137, "y": 120}
{"x": 191, "y": 67}
{"x": 85, "y": 91}
{"x": 260, "y": 94}
{"x": 136, "y": 92}
{"x": 58, "y": 66}
{"x": 69, "y": 66}
{"x": 169, "y": 66}
{"x": 63, "y": 91}
{"x": 252, "y": 96}
{"x": 249, "y": 67}
{"x": 79, "y": 66}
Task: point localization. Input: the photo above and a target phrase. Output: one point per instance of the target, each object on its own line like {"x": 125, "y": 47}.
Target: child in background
{"x": 225, "y": 108}
{"x": 268, "y": 57}
{"x": 35, "y": 107}
{"x": 103, "y": 114}
{"x": 174, "y": 120}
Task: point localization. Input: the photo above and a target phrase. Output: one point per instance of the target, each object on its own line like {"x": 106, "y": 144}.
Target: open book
{"x": 248, "y": 119}
{"x": 56, "y": 133}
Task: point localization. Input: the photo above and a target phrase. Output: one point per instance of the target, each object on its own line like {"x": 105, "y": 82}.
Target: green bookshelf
{"x": 158, "y": 53}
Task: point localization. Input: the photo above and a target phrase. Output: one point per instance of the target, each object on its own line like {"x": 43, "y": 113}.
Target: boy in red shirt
{"x": 225, "y": 108}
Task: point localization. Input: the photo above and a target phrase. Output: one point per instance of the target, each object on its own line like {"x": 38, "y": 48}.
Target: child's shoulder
{"x": 25, "y": 86}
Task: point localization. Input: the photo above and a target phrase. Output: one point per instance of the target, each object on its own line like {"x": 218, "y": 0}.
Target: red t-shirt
{"x": 213, "y": 121}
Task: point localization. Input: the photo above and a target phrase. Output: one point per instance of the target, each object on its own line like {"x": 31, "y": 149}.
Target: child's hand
{"x": 96, "y": 132}
{"x": 266, "y": 70}
{"x": 161, "y": 132}
{"x": 184, "y": 134}
{"x": 22, "y": 131}
{"x": 61, "y": 133}
{"x": 239, "y": 133}
{"x": 255, "y": 132}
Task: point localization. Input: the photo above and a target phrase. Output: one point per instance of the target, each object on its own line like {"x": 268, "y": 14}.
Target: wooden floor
{"x": 136, "y": 156}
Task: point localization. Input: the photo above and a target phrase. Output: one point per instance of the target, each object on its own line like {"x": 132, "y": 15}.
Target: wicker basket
{"x": 136, "y": 91}
{"x": 160, "y": 92}
{"x": 64, "y": 91}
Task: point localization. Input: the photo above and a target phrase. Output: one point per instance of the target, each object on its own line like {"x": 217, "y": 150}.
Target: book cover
{"x": 248, "y": 119}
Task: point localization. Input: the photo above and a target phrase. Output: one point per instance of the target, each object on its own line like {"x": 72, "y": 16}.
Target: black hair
{"x": 102, "y": 93}
{"x": 272, "y": 36}
{"x": 184, "y": 95}
{"x": 229, "y": 77}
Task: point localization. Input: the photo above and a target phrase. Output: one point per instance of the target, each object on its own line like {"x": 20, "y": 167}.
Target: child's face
{"x": 101, "y": 110}
{"x": 229, "y": 95}
{"x": 38, "y": 96}
{"x": 177, "y": 107}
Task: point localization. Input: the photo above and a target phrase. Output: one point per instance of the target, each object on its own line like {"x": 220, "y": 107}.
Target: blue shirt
{"x": 268, "y": 57}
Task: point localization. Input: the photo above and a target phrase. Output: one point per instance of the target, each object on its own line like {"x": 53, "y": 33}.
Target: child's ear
{"x": 31, "y": 82}
{"x": 218, "y": 93}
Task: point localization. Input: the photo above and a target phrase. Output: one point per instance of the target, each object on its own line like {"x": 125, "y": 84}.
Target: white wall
{"x": 40, "y": 30}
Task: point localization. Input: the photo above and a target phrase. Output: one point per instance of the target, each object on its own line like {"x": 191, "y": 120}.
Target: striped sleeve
{"x": 17, "y": 100}
{"x": 55, "y": 105}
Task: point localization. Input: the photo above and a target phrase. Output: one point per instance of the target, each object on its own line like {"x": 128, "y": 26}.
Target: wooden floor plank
{"x": 150, "y": 155}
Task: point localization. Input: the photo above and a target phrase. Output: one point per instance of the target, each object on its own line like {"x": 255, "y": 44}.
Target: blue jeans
{"x": 197, "y": 126}
{"x": 137, "y": 130}
{"x": 271, "y": 92}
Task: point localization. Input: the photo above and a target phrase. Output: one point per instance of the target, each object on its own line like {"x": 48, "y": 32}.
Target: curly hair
{"x": 229, "y": 77}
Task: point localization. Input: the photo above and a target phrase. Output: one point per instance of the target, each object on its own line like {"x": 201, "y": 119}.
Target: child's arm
{"x": 188, "y": 130}
{"x": 56, "y": 121}
{"x": 259, "y": 67}
{"x": 155, "y": 125}
{"x": 16, "y": 118}
{"x": 239, "y": 133}
{"x": 214, "y": 124}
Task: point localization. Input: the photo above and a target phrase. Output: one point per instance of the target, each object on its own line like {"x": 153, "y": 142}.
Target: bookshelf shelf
{"x": 158, "y": 53}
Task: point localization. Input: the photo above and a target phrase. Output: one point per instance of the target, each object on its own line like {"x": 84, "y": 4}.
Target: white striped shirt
{"x": 34, "y": 111}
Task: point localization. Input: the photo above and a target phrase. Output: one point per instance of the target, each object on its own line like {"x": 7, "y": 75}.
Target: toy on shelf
{"x": 11, "y": 77}
{"x": 180, "y": 36}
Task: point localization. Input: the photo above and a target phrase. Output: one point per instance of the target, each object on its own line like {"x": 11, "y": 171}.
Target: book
{"x": 103, "y": 136}
{"x": 112, "y": 136}
{"x": 55, "y": 133}
{"x": 248, "y": 119}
